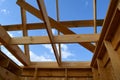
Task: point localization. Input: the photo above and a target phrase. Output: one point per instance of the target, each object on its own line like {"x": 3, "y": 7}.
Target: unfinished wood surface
{"x": 57, "y": 39}
{"x": 116, "y": 39}
{"x": 69, "y": 24}
{"x": 56, "y": 78}
{"x": 96, "y": 75}
{"x": 49, "y": 29}
{"x": 102, "y": 71}
{"x": 86, "y": 72}
{"x": 66, "y": 74}
{"x": 95, "y": 15}
{"x": 7, "y": 75}
{"x": 108, "y": 29}
{"x": 14, "y": 49}
{"x": 58, "y": 19}
{"x": 25, "y": 33}
{"x": 63, "y": 65}
{"x": 7, "y": 63}
{"x": 57, "y": 25}
{"x": 114, "y": 59}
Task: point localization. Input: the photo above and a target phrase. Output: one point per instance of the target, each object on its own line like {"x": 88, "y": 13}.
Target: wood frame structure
{"x": 106, "y": 51}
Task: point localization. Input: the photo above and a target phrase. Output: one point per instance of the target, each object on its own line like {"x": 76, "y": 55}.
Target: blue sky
{"x": 69, "y": 10}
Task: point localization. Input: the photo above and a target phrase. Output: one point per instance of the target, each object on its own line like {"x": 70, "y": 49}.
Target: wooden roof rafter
{"x": 57, "y": 25}
{"x": 48, "y": 28}
{"x": 14, "y": 49}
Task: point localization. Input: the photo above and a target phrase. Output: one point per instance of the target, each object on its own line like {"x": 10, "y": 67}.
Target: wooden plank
{"x": 7, "y": 75}
{"x": 118, "y": 5}
{"x": 7, "y": 63}
{"x": 114, "y": 57}
{"x": 79, "y": 73}
{"x": 57, "y": 39}
{"x": 4, "y": 61}
{"x": 106, "y": 26}
{"x": 14, "y": 49}
{"x": 95, "y": 16}
{"x": 96, "y": 75}
{"x": 73, "y": 65}
{"x": 57, "y": 25}
{"x": 58, "y": 20}
{"x": 116, "y": 39}
{"x": 66, "y": 74}
{"x": 35, "y": 74}
{"x": 69, "y": 24}
{"x": 49, "y": 29}
{"x": 25, "y": 33}
{"x": 102, "y": 70}
{"x": 87, "y": 72}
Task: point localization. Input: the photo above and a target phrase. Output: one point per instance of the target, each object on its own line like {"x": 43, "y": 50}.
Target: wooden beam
{"x": 58, "y": 20}
{"x": 102, "y": 71}
{"x": 7, "y": 63}
{"x": 49, "y": 29}
{"x": 57, "y": 25}
{"x": 118, "y": 5}
{"x": 57, "y": 39}
{"x": 96, "y": 75}
{"x": 95, "y": 16}
{"x": 83, "y": 73}
{"x": 114, "y": 58}
{"x": 69, "y": 24}
{"x": 25, "y": 33}
{"x": 70, "y": 65}
{"x": 111, "y": 20}
{"x": 14, "y": 49}
{"x": 7, "y": 75}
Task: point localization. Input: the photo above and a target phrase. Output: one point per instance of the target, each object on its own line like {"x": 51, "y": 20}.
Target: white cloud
{"x": 48, "y": 46}
{"x": 35, "y": 57}
{"x": 65, "y": 51}
{"x": 4, "y": 11}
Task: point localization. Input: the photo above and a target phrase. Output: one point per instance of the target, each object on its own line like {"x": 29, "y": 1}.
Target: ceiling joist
{"x": 57, "y": 25}
{"x": 69, "y": 24}
{"x": 57, "y": 39}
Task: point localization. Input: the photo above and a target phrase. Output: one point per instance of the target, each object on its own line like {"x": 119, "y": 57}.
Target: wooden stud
{"x": 95, "y": 16}
{"x": 101, "y": 70}
{"x": 7, "y": 75}
{"x": 57, "y": 25}
{"x": 49, "y": 29}
{"x": 66, "y": 74}
{"x": 35, "y": 74}
{"x": 57, "y": 11}
{"x": 114, "y": 59}
{"x": 96, "y": 75}
{"x": 25, "y": 33}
